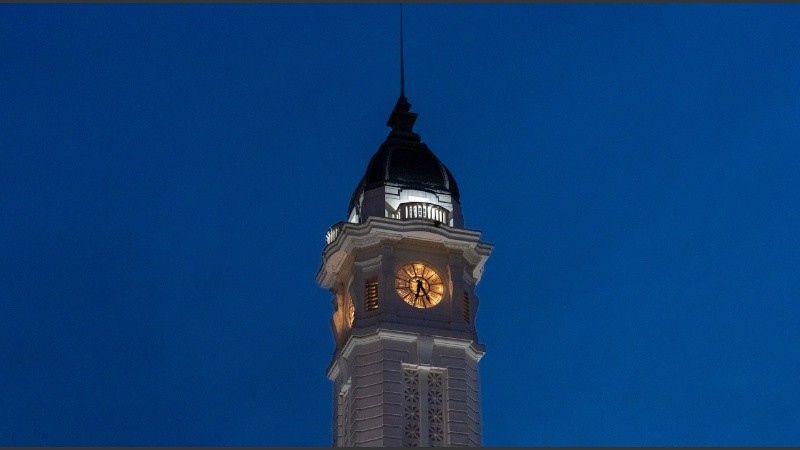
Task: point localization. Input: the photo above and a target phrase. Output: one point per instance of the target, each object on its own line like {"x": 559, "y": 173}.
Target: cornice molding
{"x": 473, "y": 350}
{"x": 380, "y": 229}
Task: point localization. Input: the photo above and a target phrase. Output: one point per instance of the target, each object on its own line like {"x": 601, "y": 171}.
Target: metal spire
{"x": 402, "y": 68}
{"x": 402, "y": 119}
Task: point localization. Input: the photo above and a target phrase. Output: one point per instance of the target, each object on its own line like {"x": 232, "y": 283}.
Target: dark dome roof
{"x": 415, "y": 167}
{"x": 403, "y": 160}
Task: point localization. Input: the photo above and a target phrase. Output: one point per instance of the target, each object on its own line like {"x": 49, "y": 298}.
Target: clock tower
{"x": 402, "y": 270}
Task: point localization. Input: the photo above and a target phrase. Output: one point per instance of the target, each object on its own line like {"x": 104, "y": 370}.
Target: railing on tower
{"x": 421, "y": 210}
{"x": 406, "y": 211}
{"x": 333, "y": 232}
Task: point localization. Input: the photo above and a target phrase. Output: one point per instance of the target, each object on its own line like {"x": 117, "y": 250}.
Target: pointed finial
{"x": 402, "y": 119}
{"x": 402, "y": 68}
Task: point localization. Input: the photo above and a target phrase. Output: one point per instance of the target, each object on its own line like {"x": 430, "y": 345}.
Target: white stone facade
{"x": 404, "y": 376}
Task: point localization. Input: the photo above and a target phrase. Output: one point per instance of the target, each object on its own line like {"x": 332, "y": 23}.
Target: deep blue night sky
{"x": 168, "y": 172}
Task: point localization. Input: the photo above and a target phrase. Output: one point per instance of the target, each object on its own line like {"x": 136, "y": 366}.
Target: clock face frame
{"x": 419, "y": 285}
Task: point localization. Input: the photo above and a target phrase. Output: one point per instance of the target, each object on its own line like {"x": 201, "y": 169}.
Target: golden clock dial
{"x": 419, "y": 285}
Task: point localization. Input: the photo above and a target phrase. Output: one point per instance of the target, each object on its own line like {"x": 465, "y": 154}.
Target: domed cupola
{"x": 405, "y": 180}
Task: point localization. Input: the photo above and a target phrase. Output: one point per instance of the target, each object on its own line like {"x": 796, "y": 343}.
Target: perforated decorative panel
{"x": 436, "y": 388}
{"x": 410, "y": 387}
{"x": 345, "y": 417}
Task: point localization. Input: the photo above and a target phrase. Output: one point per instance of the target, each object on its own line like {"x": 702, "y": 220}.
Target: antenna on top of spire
{"x": 402, "y": 69}
{"x": 402, "y": 119}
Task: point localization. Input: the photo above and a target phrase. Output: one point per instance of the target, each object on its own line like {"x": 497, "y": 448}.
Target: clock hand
{"x": 426, "y": 295}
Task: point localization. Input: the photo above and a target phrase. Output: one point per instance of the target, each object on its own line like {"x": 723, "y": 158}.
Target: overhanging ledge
{"x": 380, "y": 229}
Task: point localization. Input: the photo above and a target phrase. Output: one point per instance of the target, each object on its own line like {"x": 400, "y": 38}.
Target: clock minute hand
{"x": 426, "y": 294}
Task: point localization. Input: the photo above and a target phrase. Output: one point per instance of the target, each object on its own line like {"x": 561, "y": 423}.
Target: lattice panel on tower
{"x": 371, "y": 297}
{"x": 410, "y": 390}
{"x": 436, "y": 390}
{"x": 349, "y": 419}
{"x": 345, "y": 417}
{"x": 337, "y": 420}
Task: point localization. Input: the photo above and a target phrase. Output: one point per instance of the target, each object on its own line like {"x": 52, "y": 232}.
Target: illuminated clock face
{"x": 419, "y": 285}
{"x": 351, "y": 312}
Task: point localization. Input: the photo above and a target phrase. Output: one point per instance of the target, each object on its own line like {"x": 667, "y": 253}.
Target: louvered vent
{"x": 467, "y": 316}
{"x": 372, "y": 294}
